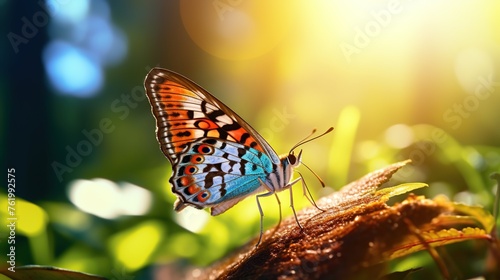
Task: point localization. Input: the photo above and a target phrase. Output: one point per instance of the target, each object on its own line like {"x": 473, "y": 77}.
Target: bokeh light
{"x": 134, "y": 247}
{"x": 108, "y": 200}
{"x": 192, "y": 219}
{"x": 240, "y": 29}
{"x": 72, "y": 12}
{"x": 399, "y": 136}
{"x": 71, "y": 71}
{"x": 84, "y": 42}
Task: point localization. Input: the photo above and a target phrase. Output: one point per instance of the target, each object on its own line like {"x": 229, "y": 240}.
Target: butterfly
{"x": 217, "y": 158}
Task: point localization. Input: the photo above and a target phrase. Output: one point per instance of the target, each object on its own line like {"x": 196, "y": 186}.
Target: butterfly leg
{"x": 289, "y": 186}
{"x": 262, "y": 212}
{"x": 306, "y": 191}
{"x": 279, "y": 205}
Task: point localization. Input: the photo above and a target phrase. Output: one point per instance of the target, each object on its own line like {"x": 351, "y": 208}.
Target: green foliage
{"x": 46, "y": 273}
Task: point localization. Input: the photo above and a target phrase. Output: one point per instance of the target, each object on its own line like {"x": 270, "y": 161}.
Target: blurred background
{"x": 397, "y": 80}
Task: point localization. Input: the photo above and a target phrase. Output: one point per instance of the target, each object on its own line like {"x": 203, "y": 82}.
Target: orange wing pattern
{"x": 185, "y": 112}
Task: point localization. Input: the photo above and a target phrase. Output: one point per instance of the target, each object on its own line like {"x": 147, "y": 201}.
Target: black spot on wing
{"x": 183, "y": 134}
{"x": 223, "y": 189}
{"x": 213, "y": 167}
{"x": 241, "y": 152}
{"x": 222, "y": 133}
{"x": 211, "y": 141}
{"x": 232, "y": 126}
{"x": 244, "y": 137}
{"x": 186, "y": 159}
{"x": 242, "y": 167}
{"x": 212, "y": 115}
{"x": 181, "y": 170}
{"x": 209, "y": 179}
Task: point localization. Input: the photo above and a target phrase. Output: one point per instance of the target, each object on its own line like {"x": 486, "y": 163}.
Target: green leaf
{"x": 400, "y": 189}
{"x": 36, "y": 272}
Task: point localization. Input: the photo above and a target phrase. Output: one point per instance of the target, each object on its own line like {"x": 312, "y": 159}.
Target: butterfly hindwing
{"x": 212, "y": 171}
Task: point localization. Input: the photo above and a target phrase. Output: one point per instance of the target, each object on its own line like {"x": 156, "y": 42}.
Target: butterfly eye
{"x": 292, "y": 159}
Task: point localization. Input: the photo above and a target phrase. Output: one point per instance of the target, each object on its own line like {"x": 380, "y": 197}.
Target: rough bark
{"x": 351, "y": 239}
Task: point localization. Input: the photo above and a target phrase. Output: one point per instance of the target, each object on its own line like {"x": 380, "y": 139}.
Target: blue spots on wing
{"x": 231, "y": 170}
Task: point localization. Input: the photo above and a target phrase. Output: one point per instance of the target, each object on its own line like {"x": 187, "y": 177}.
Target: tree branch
{"x": 351, "y": 239}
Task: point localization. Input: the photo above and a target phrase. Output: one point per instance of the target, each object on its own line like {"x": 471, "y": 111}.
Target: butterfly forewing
{"x": 185, "y": 112}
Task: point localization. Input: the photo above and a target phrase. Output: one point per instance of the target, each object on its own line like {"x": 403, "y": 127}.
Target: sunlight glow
{"x": 399, "y": 136}
{"x": 470, "y": 66}
{"x": 131, "y": 194}
{"x": 134, "y": 247}
{"x": 236, "y": 26}
{"x": 367, "y": 150}
{"x": 184, "y": 245}
{"x": 237, "y": 29}
{"x": 342, "y": 144}
{"x": 192, "y": 219}
{"x": 465, "y": 197}
{"x": 107, "y": 199}
{"x": 31, "y": 219}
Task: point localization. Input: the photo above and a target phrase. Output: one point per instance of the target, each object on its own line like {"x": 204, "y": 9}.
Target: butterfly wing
{"x": 185, "y": 111}
{"x": 217, "y": 158}
{"x": 215, "y": 173}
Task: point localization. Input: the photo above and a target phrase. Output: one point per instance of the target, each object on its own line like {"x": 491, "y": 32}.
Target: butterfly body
{"x": 217, "y": 158}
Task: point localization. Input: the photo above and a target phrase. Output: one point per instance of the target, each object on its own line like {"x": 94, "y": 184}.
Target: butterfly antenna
{"x": 307, "y": 139}
{"x": 316, "y": 175}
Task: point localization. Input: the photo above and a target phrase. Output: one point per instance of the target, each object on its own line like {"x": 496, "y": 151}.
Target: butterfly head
{"x": 294, "y": 160}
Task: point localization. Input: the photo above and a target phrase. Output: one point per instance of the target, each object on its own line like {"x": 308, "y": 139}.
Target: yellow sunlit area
{"x": 134, "y": 247}
{"x": 87, "y": 185}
